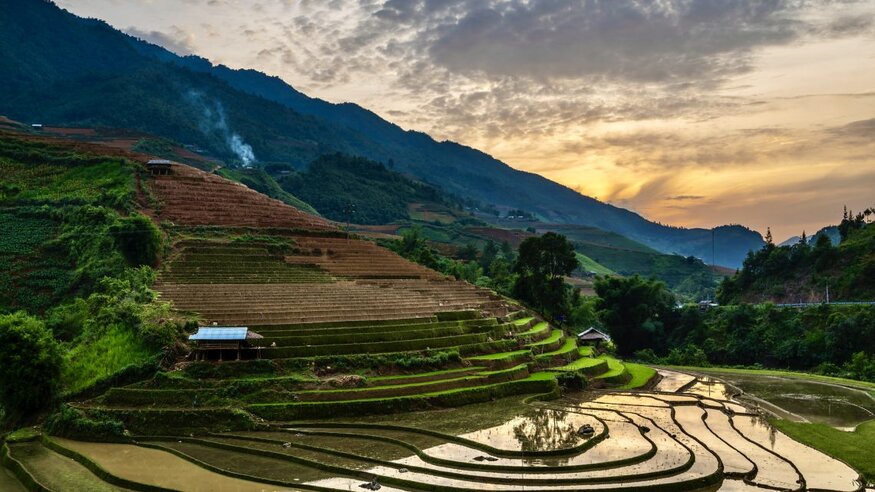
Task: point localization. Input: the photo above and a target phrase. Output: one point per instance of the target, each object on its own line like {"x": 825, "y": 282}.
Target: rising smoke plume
{"x": 213, "y": 122}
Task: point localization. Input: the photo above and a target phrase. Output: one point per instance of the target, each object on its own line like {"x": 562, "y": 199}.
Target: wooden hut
{"x": 159, "y": 167}
{"x": 592, "y": 336}
{"x": 217, "y": 340}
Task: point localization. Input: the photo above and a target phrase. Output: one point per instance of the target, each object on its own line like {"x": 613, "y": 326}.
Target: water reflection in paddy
{"x": 826, "y": 403}
{"x": 541, "y": 430}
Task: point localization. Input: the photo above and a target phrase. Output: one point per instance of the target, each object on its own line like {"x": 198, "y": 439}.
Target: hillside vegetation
{"x": 643, "y": 319}
{"x": 330, "y": 307}
{"x": 345, "y": 188}
{"x": 613, "y": 253}
{"x": 77, "y": 260}
{"x": 57, "y": 209}
{"x": 802, "y": 272}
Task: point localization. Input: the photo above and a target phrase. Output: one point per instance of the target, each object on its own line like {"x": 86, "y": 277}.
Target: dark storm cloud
{"x": 615, "y": 39}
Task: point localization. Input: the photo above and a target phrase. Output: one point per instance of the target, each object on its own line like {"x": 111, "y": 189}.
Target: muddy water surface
{"x": 8, "y": 482}
{"x": 818, "y": 470}
{"x": 160, "y": 468}
{"x": 826, "y": 403}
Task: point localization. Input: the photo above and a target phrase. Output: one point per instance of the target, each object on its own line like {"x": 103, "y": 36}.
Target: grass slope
{"x": 641, "y": 375}
{"x": 592, "y": 266}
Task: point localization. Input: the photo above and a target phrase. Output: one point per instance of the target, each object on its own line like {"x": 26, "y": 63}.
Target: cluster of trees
{"x": 765, "y": 271}
{"x": 851, "y": 222}
{"x": 489, "y": 267}
{"x": 644, "y": 321}
{"x": 534, "y": 274}
{"x": 780, "y": 272}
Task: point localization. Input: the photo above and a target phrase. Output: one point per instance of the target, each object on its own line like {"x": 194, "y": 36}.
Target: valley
{"x": 362, "y": 367}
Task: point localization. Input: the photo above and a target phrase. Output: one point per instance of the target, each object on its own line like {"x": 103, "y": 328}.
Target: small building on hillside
{"x": 592, "y": 336}
{"x": 37, "y": 126}
{"x": 159, "y": 167}
{"x": 220, "y": 341}
{"x": 706, "y": 305}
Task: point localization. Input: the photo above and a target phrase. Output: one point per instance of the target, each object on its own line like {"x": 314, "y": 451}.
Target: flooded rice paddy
{"x": 686, "y": 435}
{"x": 799, "y": 399}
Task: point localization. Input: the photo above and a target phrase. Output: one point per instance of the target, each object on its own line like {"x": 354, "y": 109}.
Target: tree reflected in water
{"x": 546, "y": 430}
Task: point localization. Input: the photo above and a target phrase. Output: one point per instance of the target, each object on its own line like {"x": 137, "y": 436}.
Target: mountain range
{"x": 65, "y": 70}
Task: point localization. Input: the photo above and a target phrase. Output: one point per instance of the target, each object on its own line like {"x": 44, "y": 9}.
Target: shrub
{"x": 861, "y": 366}
{"x": 572, "y": 380}
{"x": 72, "y": 423}
{"x": 66, "y": 321}
{"x": 30, "y": 365}
{"x": 689, "y": 355}
{"x": 647, "y": 356}
{"x": 138, "y": 238}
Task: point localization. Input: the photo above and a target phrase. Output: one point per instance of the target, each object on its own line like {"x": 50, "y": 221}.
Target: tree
{"x": 769, "y": 240}
{"x": 541, "y": 264}
{"x": 583, "y": 311}
{"x": 634, "y": 311}
{"x": 502, "y": 279}
{"x": 138, "y": 238}
{"x": 30, "y": 366}
{"x": 507, "y": 251}
{"x": 468, "y": 252}
{"x": 490, "y": 252}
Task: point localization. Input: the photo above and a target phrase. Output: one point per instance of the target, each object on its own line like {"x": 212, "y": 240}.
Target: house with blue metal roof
{"x": 218, "y": 340}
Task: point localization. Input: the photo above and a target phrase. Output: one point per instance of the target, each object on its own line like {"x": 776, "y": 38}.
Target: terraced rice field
{"x": 647, "y": 440}
{"x": 192, "y": 197}
{"x": 376, "y": 370}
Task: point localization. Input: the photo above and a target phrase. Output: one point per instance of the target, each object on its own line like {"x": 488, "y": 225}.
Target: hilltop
{"x": 93, "y": 75}
{"x": 803, "y": 272}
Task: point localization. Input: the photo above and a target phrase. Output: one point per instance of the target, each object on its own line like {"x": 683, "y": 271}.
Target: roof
{"x": 224, "y": 333}
{"x": 592, "y": 334}
{"x": 159, "y": 162}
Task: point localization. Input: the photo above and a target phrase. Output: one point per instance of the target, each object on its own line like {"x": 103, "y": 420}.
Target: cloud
{"x": 601, "y": 39}
{"x": 177, "y": 41}
{"x": 857, "y": 130}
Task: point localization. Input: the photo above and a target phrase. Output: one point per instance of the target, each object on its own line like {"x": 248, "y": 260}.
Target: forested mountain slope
{"x": 804, "y": 272}
{"x": 88, "y": 74}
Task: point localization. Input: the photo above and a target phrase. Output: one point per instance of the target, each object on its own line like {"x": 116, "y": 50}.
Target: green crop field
{"x": 590, "y": 265}
{"x": 641, "y": 375}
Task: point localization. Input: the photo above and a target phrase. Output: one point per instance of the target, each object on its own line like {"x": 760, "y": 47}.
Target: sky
{"x": 691, "y": 112}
